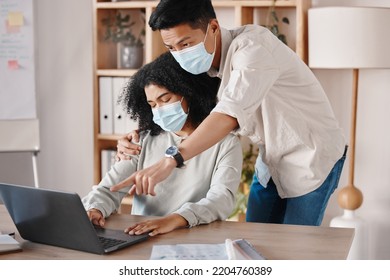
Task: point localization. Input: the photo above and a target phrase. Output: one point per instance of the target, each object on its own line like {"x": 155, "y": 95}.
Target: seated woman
{"x": 169, "y": 103}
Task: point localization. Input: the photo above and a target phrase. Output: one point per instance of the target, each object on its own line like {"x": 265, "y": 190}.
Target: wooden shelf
{"x": 109, "y": 137}
{"x": 116, "y": 72}
{"x": 126, "y": 4}
{"x": 254, "y": 3}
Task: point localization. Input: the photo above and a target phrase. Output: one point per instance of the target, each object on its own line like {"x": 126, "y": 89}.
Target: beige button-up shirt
{"x": 280, "y": 105}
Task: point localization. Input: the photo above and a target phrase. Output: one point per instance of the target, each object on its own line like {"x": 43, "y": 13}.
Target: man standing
{"x": 268, "y": 94}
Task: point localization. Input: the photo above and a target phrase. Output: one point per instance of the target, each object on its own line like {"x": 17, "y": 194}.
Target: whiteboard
{"x": 17, "y": 67}
{"x": 19, "y": 126}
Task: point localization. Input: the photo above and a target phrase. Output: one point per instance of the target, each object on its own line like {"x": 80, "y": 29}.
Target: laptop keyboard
{"x": 110, "y": 242}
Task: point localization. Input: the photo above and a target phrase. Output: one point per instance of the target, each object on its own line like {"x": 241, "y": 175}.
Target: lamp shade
{"x": 349, "y": 37}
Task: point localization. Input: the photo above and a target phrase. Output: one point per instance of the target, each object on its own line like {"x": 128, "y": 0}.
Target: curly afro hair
{"x": 200, "y": 91}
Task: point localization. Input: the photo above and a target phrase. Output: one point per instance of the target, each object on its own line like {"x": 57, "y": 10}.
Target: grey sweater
{"x": 201, "y": 192}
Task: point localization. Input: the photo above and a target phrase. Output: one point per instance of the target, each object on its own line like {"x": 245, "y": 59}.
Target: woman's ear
{"x": 185, "y": 105}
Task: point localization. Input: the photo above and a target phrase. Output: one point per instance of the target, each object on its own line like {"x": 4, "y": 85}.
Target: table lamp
{"x": 350, "y": 38}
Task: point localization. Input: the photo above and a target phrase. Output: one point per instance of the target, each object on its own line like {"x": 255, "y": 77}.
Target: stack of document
{"x": 239, "y": 249}
{"x": 8, "y": 244}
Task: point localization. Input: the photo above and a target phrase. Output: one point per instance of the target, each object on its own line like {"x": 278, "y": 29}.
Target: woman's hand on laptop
{"x": 96, "y": 217}
{"x": 157, "y": 226}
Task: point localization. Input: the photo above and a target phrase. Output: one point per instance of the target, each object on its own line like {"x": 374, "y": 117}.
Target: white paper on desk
{"x": 6, "y": 239}
{"x": 238, "y": 249}
{"x": 189, "y": 252}
{"x": 7, "y": 243}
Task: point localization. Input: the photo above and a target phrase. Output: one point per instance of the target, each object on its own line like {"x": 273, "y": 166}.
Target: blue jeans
{"x": 266, "y": 206}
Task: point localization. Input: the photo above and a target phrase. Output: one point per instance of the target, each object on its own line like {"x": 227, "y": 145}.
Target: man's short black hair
{"x": 170, "y": 13}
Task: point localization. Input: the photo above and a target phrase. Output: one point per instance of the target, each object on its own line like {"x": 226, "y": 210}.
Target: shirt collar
{"x": 226, "y": 40}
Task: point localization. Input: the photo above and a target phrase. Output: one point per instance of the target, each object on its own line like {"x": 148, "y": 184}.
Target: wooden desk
{"x": 275, "y": 242}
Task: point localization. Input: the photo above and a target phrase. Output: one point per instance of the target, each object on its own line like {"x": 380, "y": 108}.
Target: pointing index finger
{"x": 125, "y": 183}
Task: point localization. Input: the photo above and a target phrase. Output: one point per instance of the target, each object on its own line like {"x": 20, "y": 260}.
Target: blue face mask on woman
{"x": 195, "y": 59}
{"x": 170, "y": 117}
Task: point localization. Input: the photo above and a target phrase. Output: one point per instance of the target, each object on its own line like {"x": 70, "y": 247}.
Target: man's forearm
{"x": 212, "y": 130}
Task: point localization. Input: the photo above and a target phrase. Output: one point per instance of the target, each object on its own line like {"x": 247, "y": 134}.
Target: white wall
{"x": 64, "y": 88}
{"x": 372, "y": 174}
{"x": 64, "y": 99}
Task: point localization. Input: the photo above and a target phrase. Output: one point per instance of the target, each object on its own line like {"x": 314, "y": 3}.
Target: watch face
{"x": 171, "y": 151}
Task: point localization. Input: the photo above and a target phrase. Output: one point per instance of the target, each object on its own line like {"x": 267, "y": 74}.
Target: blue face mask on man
{"x": 170, "y": 117}
{"x": 195, "y": 59}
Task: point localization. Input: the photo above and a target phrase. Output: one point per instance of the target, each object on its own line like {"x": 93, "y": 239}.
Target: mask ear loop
{"x": 207, "y": 30}
{"x": 215, "y": 39}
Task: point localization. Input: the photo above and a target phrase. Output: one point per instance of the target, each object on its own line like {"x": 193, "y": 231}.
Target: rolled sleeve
{"x": 233, "y": 110}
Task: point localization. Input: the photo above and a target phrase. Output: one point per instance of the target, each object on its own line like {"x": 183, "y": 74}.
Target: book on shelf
{"x": 105, "y": 105}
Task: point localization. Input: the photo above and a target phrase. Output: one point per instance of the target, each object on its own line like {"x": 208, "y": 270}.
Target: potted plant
{"x": 273, "y": 23}
{"x": 119, "y": 29}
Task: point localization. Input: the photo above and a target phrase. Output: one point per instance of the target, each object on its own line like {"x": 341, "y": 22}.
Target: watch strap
{"x": 179, "y": 160}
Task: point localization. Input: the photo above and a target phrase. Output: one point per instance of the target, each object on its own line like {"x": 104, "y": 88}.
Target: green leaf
{"x": 275, "y": 29}
{"x": 282, "y": 38}
{"x": 119, "y": 29}
{"x": 274, "y": 16}
{"x": 126, "y": 18}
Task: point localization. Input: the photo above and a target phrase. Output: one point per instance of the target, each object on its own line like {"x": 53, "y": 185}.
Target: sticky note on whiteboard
{"x": 11, "y": 29}
{"x": 13, "y": 64}
{"x": 15, "y": 19}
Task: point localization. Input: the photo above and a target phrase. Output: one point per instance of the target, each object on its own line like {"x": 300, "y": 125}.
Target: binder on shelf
{"x": 107, "y": 160}
{"x": 113, "y": 118}
{"x": 106, "y": 105}
{"x": 120, "y": 115}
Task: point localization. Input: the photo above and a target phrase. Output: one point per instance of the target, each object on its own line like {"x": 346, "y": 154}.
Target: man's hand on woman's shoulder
{"x": 126, "y": 146}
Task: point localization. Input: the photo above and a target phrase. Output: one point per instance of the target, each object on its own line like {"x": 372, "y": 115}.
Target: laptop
{"x": 59, "y": 218}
